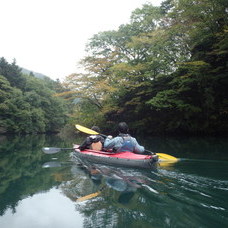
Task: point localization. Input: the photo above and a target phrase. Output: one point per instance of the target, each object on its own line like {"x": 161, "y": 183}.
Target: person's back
{"x": 123, "y": 142}
{"x": 97, "y": 144}
{"x": 94, "y": 142}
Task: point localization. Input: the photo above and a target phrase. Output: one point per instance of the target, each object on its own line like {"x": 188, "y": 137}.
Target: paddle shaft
{"x": 150, "y": 151}
{"x": 53, "y": 150}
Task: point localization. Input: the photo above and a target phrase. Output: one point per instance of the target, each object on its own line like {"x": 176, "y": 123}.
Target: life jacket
{"x": 127, "y": 144}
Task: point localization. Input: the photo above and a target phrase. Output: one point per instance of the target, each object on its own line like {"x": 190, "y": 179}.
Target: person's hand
{"x": 109, "y": 137}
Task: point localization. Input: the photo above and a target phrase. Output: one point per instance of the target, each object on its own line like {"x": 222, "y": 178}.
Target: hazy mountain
{"x": 37, "y": 75}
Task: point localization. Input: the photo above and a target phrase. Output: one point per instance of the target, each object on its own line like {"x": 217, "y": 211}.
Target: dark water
{"x": 40, "y": 190}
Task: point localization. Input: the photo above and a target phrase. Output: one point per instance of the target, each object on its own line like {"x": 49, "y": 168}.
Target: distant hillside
{"x": 37, "y": 75}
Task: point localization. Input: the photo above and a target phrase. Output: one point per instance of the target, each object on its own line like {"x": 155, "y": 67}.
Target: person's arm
{"x": 109, "y": 142}
{"x": 99, "y": 138}
{"x": 137, "y": 148}
{"x": 85, "y": 145}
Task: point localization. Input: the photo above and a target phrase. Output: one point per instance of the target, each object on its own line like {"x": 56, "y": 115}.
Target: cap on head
{"x": 95, "y": 128}
{"x": 123, "y": 128}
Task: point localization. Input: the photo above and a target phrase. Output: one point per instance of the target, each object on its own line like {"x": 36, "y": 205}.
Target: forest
{"x": 28, "y": 104}
{"x": 165, "y": 72}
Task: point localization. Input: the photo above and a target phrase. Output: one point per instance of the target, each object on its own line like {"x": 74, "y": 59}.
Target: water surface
{"x": 40, "y": 190}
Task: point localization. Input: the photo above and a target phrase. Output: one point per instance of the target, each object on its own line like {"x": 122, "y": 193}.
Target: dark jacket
{"x": 91, "y": 139}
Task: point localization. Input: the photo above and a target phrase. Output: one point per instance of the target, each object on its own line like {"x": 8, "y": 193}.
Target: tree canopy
{"x": 28, "y": 104}
{"x": 166, "y": 71}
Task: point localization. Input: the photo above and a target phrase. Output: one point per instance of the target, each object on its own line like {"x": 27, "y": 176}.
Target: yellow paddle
{"x": 87, "y": 197}
{"x": 88, "y": 131}
{"x": 167, "y": 157}
{"x": 162, "y": 156}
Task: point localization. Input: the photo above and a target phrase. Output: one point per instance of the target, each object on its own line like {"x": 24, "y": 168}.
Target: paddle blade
{"x": 50, "y": 150}
{"x": 86, "y": 130}
{"x": 90, "y": 196}
{"x": 167, "y": 163}
{"x": 51, "y": 164}
{"x": 168, "y": 157}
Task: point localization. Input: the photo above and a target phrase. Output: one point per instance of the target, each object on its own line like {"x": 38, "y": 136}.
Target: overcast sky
{"x": 49, "y": 36}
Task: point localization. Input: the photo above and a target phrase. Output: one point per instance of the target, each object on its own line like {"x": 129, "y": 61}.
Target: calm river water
{"x": 50, "y": 191}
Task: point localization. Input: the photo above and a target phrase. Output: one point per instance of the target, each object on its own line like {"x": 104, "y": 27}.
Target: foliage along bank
{"x": 164, "y": 72}
{"x": 28, "y": 104}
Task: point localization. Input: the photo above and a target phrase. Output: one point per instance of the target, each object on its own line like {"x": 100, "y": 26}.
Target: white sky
{"x": 49, "y": 36}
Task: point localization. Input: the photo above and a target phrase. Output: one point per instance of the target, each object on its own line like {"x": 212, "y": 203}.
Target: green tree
{"x": 197, "y": 88}
{"x": 167, "y": 69}
{"x": 28, "y": 105}
{"x": 12, "y": 72}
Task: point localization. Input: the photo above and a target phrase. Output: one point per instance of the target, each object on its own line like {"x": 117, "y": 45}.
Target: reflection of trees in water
{"x": 21, "y": 172}
{"x": 116, "y": 209}
{"x": 128, "y": 198}
{"x": 119, "y": 200}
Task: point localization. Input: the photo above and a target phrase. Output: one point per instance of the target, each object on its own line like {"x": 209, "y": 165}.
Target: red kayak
{"x": 125, "y": 159}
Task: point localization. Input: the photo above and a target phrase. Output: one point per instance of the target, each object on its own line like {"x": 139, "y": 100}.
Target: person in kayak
{"x": 94, "y": 142}
{"x": 123, "y": 142}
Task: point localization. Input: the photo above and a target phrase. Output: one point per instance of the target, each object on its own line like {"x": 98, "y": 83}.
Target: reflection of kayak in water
{"x": 106, "y": 179}
{"x": 123, "y": 183}
{"x": 117, "y": 184}
{"x": 125, "y": 159}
